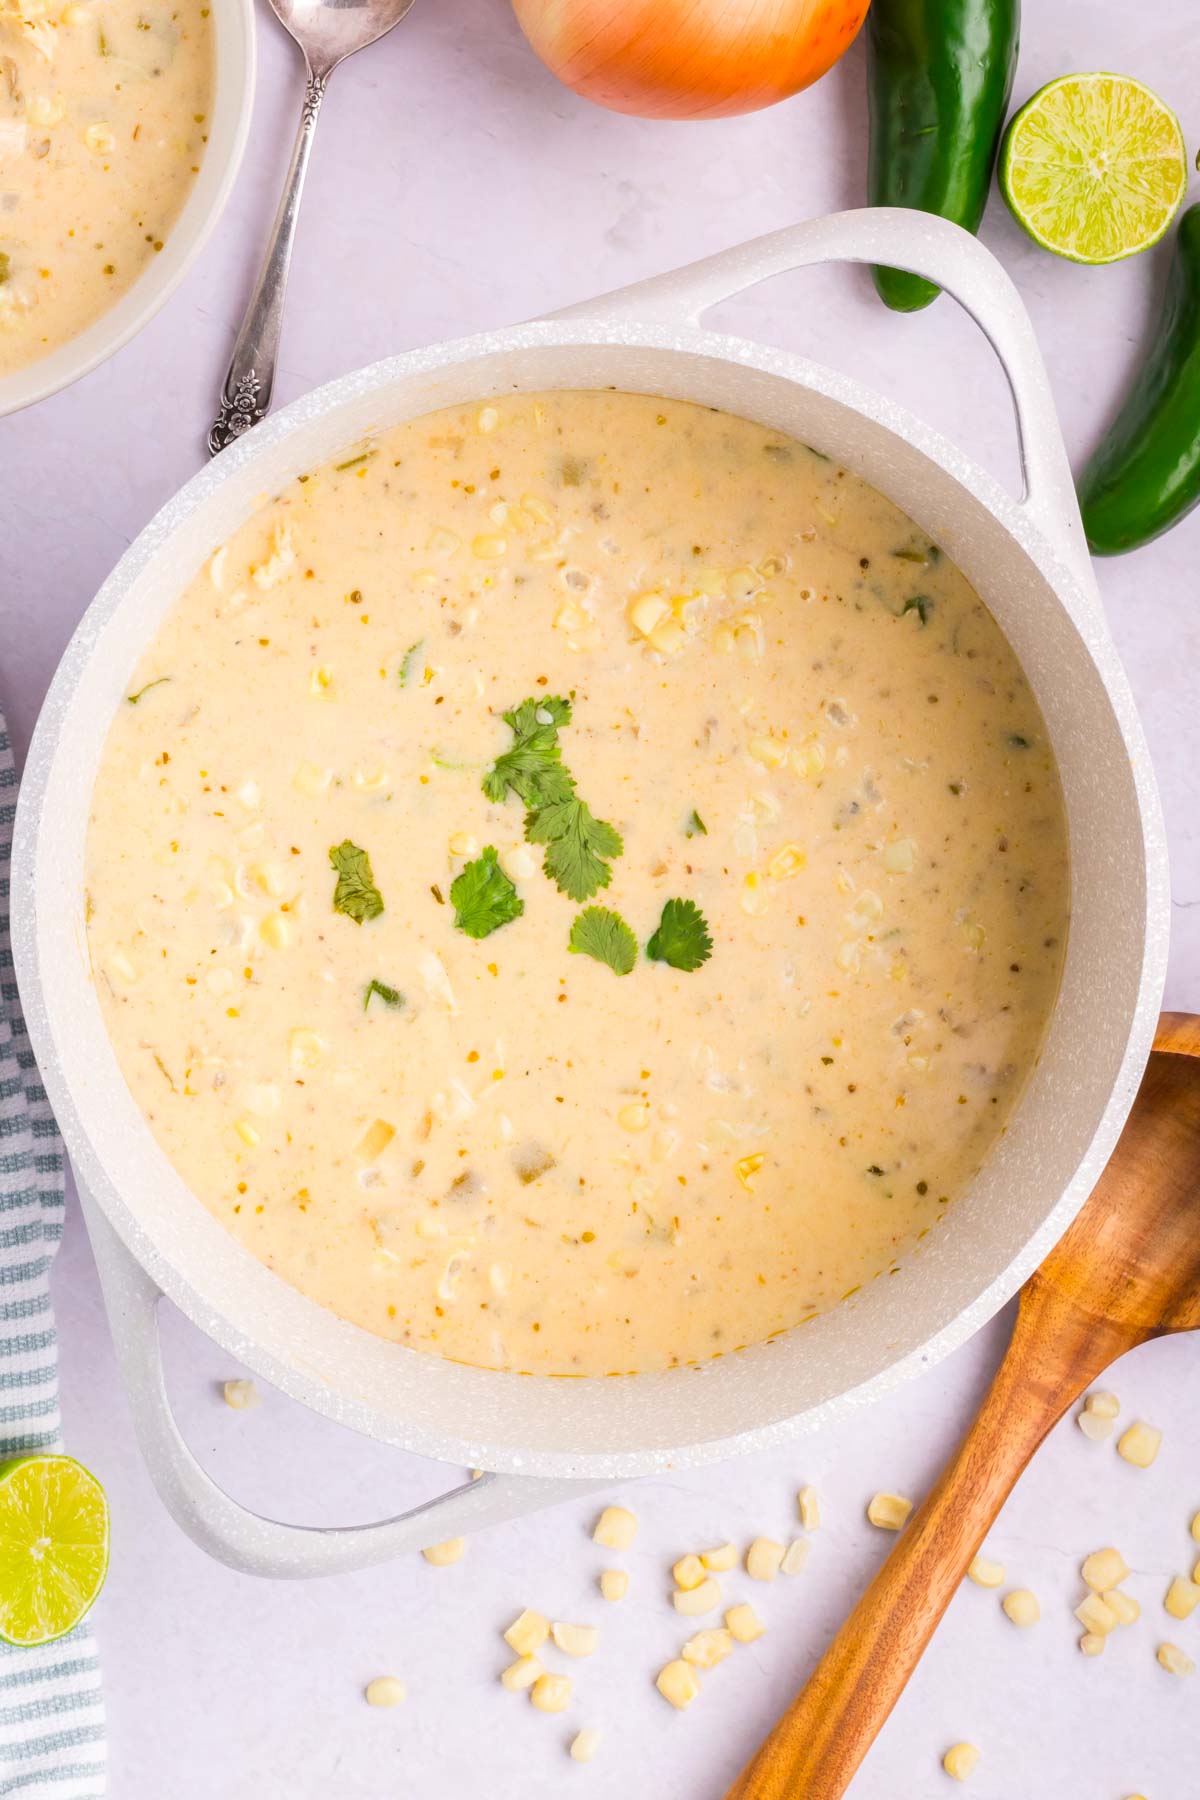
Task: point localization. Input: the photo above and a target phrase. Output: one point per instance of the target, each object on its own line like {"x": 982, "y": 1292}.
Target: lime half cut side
{"x": 1094, "y": 167}
{"x": 53, "y": 1547}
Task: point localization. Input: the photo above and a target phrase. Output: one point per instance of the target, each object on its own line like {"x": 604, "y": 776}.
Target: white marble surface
{"x": 456, "y": 186}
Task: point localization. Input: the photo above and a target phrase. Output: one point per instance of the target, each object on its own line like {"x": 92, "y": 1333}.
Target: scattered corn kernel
{"x": 1183, "y": 1597}
{"x": 678, "y": 1683}
{"x": 585, "y": 1744}
{"x": 551, "y": 1693}
{"x": 522, "y": 1674}
{"x": 634, "y": 1117}
{"x": 1091, "y": 1643}
{"x": 786, "y": 862}
{"x": 1139, "y": 1445}
{"x": 100, "y": 138}
{"x": 795, "y": 1556}
{"x": 754, "y": 897}
{"x": 374, "y": 1141}
{"x": 614, "y": 1584}
{"x": 708, "y": 1648}
{"x": 1094, "y": 1614}
{"x": 1104, "y": 1569}
{"x": 889, "y": 1511}
{"x": 1174, "y": 1661}
{"x": 747, "y": 1167}
{"x": 688, "y": 1571}
{"x": 771, "y": 752}
{"x": 809, "y": 1510}
{"x": 743, "y": 1623}
{"x": 248, "y": 1133}
{"x": 385, "y": 1690}
{"x": 723, "y": 1557}
{"x": 443, "y": 1554}
{"x": 1124, "y": 1607}
{"x": 575, "y": 1640}
{"x": 463, "y": 844}
{"x": 489, "y": 546}
{"x": 763, "y": 1559}
{"x": 898, "y": 856}
{"x": 986, "y": 1574}
{"x": 702, "y": 1599}
{"x": 527, "y": 1633}
{"x": 1022, "y": 1607}
{"x": 241, "y": 1395}
{"x": 616, "y": 1528}
{"x": 647, "y": 611}
{"x": 1195, "y": 1528}
{"x": 1094, "y": 1425}
{"x": 960, "y": 1760}
{"x": 668, "y": 637}
{"x": 1104, "y": 1404}
{"x": 275, "y": 931}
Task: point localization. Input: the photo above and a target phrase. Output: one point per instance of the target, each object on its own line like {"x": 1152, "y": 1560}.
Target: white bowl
{"x": 233, "y": 98}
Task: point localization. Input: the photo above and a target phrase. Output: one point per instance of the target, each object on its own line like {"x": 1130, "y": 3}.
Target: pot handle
{"x": 926, "y": 245}
{"x": 242, "y": 1539}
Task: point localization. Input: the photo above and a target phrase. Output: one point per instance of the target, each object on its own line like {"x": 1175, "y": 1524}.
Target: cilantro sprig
{"x": 483, "y": 897}
{"x": 682, "y": 938}
{"x": 578, "y": 845}
{"x": 389, "y": 995}
{"x": 355, "y": 893}
{"x": 604, "y": 935}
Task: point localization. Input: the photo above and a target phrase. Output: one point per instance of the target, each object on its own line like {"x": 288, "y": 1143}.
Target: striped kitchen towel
{"x": 52, "y": 1735}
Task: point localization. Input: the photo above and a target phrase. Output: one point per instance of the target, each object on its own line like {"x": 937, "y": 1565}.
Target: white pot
{"x": 229, "y": 123}
{"x": 542, "y": 1437}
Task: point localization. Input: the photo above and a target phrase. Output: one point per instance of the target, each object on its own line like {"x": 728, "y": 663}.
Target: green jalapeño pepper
{"x": 939, "y": 74}
{"x": 1146, "y": 474}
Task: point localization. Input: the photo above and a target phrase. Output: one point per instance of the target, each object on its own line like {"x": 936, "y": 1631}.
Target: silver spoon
{"x": 327, "y": 31}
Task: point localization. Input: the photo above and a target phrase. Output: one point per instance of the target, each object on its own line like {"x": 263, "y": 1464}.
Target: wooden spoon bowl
{"x": 1127, "y": 1270}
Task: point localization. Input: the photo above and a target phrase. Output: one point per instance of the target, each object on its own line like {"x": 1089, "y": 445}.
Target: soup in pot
{"x": 578, "y": 884}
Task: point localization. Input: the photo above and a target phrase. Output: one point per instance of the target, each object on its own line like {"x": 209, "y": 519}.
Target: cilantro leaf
{"x": 576, "y": 844}
{"x": 410, "y": 657}
{"x": 920, "y": 604}
{"x": 483, "y": 897}
{"x": 695, "y": 826}
{"x": 682, "y": 938}
{"x": 532, "y": 769}
{"x": 389, "y": 995}
{"x": 355, "y": 893}
{"x": 604, "y": 935}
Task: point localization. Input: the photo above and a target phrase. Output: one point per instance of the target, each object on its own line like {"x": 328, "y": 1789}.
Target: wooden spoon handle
{"x": 1057, "y": 1348}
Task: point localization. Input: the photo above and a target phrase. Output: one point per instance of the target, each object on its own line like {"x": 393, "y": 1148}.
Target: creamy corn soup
{"x": 578, "y": 884}
{"x": 103, "y": 121}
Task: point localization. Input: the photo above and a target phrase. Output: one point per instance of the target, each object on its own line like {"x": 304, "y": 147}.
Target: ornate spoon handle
{"x": 246, "y": 395}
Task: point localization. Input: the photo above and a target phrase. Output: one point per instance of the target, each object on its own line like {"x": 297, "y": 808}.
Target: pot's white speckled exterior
{"x": 235, "y": 62}
{"x": 1027, "y": 559}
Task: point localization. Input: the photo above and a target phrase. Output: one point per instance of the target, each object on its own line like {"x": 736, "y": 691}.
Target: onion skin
{"x": 689, "y": 59}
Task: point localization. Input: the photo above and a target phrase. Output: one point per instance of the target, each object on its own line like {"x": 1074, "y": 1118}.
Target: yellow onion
{"x": 689, "y": 59}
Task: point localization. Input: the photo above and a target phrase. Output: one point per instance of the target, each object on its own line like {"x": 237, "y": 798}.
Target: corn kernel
{"x": 100, "y": 138}
{"x": 678, "y": 1683}
{"x": 518, "y": 863}
{"x": 647, "y": 611}
{"x": 615, "y": 1529}
{"x": 635, "y": 1117}
{"x": 1095, "y": 1615}
{"x": 304, "y": 1050}
{"x": 614, "y": 1584}
{"x": 747, "y": 1167}
{"x": 123, "y": 966}
{"x": 1094, "y": 1425}
{"x": 443, "y": 1554}
{"x": 1139, "y": 1445}
{"x": 374, "y": 1141}
{"x": 321, "y": 680}
{"x": 1104, "y": 1404}
{"x": 986, "y": 1574}
{"x": 808, "y": 1508}
{"x": 489, "y": 546}
{"x": 960, "y": 1760}
{"x": 585, "y": 1744}
{"x": 551, "y": 1693}
{"x": 575, "y": 1640}
{"x": 786, "y": 862}
{"x": 1195, "y": 1528}
{"x": 743, "y": 1623}
{"x": 708, "y": 1648}
{"x": 241, "y": 1395}
{"x": 723, "y": 1557}
{"x": 487, "y": 418}
{"x": 754, "y": 897}
{"x": 385, "y": 1690}
{"x": 1123, "y": 1607}
{"x": 808, "y": 760}
{"x": 1183, "y": 1597}
{"x": 527, "y": 1633}
{"x": 770, "y": 751}
{"x": 522, "y": 1674}
{"x": 1091, "y": 1643}
{"x": 275, "y": 931}
{"x": 763, "y": 1559}
{"x": 1173, "y": 1660}
{"x": 795, "y": 1556}
{"x": 688, "y": 1572}
{"x": 1022, "y": 1607}
{"x": 899, "y": 856}
{"x": 889, "y": 1511}
{"x": 247, "y": 1132}
{"x": 1104, "y": 1569}
{"x": 702, "y": 1599}
{"x": 463, "y": 844}
{"x": 667, "y": 638}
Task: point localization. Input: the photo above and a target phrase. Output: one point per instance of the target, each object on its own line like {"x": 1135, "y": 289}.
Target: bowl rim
{"x": 296, "y": 1374}
{"x": 235, "y": 55}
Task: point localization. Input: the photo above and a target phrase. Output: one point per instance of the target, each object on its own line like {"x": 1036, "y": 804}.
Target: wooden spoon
{"x": 1127, "y": 1270}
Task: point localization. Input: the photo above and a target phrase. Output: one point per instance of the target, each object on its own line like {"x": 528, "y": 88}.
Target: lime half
{"x": 53, "y": 1546}
{"x": 1094, "y": 167}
